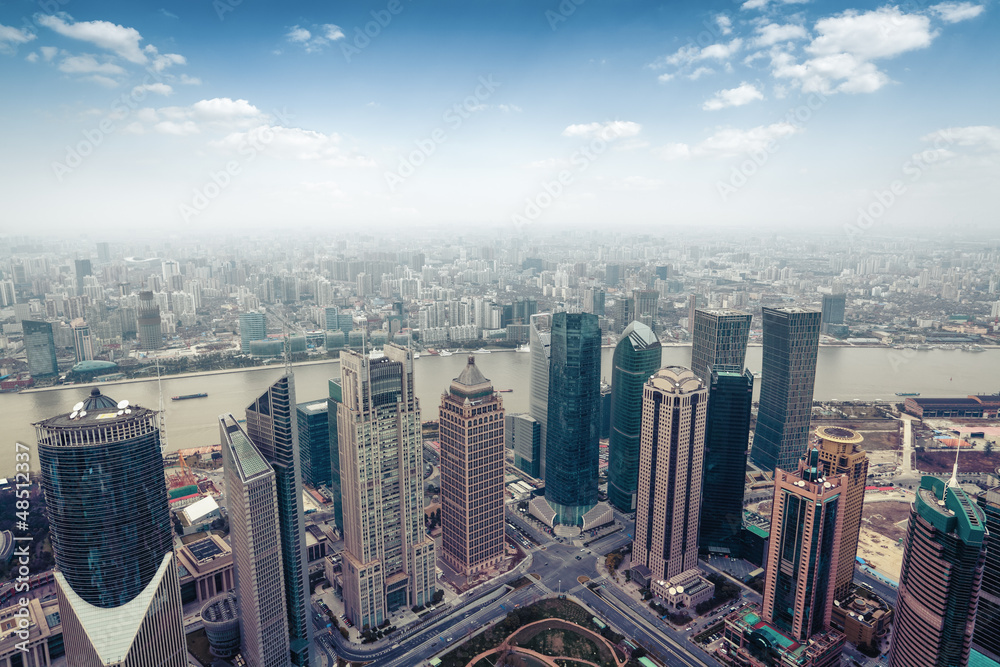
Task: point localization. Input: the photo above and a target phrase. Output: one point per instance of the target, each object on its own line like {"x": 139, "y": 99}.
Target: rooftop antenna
{"x": 953, "y": 482}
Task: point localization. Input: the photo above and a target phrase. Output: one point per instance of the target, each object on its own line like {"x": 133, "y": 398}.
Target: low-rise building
{"x": 862, "y": 616}
{"x": 30, "y": 635}
{"x": 750, "y": 641}
{"x": 206, "y": 569}
{"x": 685, "y": 590}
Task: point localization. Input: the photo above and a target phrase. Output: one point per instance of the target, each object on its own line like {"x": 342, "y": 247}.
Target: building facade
{"x": 39, "y": 348}
{"x": 986, "y": 638}
{"x": 314, "y": 442}
{"x": 572, "y": 446}
{"x": 253, "y": 326}
{"x": 806, "y": 523}
{"x": 117, "y": 584}
{"x": 150, "y": 330}
{"x": 83, "y": 343}
{"x": 538, "y": 389}
{"x": 273, "y": 428}
{"x": 524, "y": 435}
{"x": 672, "y": 443}
{"x": 840, "y": 453}
{"x": 637, "y": 356}
{"x": 727, "y": 436}
{"x": 751, "y": 641}
{"x": 791, "y": 343}
{"x": 472, "y": 469}
{"x": 255, "y": 534}
{"x": 335, "y": 396}
{"x": 834, "y": 307}
{"x": 388, "y": 561}
{"x": 720, "y": 338}
{"x": 939, "y": 583}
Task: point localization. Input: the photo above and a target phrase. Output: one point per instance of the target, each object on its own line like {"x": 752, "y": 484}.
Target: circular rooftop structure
{"x": 839, "y": 434}
{"x": 221, "y": 620}
{"x": 92, "y": 365}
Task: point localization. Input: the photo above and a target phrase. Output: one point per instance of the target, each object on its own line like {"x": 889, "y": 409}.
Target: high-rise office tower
{"x": 727, "y": 435}
{"x": 572, "y": 443}
{"x": 83, "y": 269}
{"x": 594, "y": 301}
{"x": 624, "y": 309}
{"x": 117, "y": 582}
{"x": 674, "y": 406}
{"x": 255, "y": 534}
{"x": 314, "y": 442}
{"x": 986, "y": 638}
{"x": 720, "y": 339}
{"x": 39, "y": 348}
{"x": 791, "y": 342}
{"x": 540, "y": 341}
{"x": 840, "y": 454}
{"x": 389, "y": 560}
{"x": 806, "y": 520}
{"x": 83, "y": 344}
{"x": 637, "y": 356}
{"x": 253, "y": 326}
{"x": 645, "y": 305}
{"x": 103, "y": 251}
{"x": 692, "y": 306}
{"x": 150, "y": 333}
{"x": 834, "y": 306}
{"x": 939, "y": 583}
{"x": 613, "y": 274}
{"x": 336, "y": 396}
{"x": 523, "y": 434}
{"x": 273, "y": 429}
{"x": 472, "y": 469}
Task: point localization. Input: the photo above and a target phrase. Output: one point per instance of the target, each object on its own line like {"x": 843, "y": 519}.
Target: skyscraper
{"x": 540, "y": 341}
{"x": 645, "y": 304}
{"x": 834, "y": 306}
{"x": 674, "y": 406}
{"x": 791, "y": 342}
{"x": 314, "y": 442}
{"x": 253, "y": 326}
{"x": 117, "y": 582}
{"x": 720, "y": 339}
{"x": 472, "y": 469}
{"x": 83, "y": 269}
{"x": 986, "y": 639}
{"x": 637, "y": 356}
{"x": 39, "y": 348}
{"x": 150, "y": 333}
{"x": 572, "y": 446}
{"x": 272, "y": 427}
{"x": 840, "y": 454}
{"x": 524, "y": 435}
{"x": 83, "y": 344}
{"x": 255, "y": 534}
{"x": 806, "y": 521}
{"x": 939, "y": 583}
{"x": 727, "y": 435}
{"x": 336, "y": 396}
{"x": 389, "y": 560}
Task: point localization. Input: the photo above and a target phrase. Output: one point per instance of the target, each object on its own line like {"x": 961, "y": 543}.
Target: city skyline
{"x": 756, "y": 110}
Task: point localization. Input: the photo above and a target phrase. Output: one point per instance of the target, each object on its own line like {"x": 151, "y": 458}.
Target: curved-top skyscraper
{"x": 637, "y": 357}
{"x": 106, "y": 498}
{"x": 572, "y": 446}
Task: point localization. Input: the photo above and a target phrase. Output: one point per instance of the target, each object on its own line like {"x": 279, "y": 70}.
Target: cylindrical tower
{"x": 221, "y": 619}
{"x": 150, "y": 334}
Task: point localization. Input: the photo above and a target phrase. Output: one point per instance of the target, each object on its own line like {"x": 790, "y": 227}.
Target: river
{"x": 842, "y": 373}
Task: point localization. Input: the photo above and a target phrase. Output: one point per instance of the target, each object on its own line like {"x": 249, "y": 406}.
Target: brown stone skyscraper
{"x": 671, "y": 451}
{"x": 472, "y": 467}
{"x": 840, "y": 454}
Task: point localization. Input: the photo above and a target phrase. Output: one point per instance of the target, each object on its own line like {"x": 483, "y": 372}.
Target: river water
{"x": 842, "y": 373}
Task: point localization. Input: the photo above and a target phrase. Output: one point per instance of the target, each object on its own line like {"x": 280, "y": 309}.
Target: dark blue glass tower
{"x": 572, "y": 448}
{"x": 727, "y": 433}
{"x": 637, "y": 357}
{"x": 102, "y": 473}
{"x": 788, "y": 373}
{"x": 314, "y": 442}
{"x": 272, "y": 426}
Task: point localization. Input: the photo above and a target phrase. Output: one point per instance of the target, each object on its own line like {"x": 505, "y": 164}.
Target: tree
{"x": 989, "y": 447}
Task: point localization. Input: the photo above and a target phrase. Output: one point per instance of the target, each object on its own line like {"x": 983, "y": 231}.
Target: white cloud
{"x": 509, "y": 108}
{"x": 177, "y": 129}
{"x": 11, "y": 37}
{"x": 189, "y": 80}
{"x": 88, "y": 64}
{"x": 297, "y": 34}
{"x": 772, "y": 33}
{"x": 48, "y": 53}
{"x": 953, "y": 12}
{"x": 119, "y": 39}
{"x": 333, "y": 32}
{"x": 762, "y": 4}
{"x": 689, "y": 54}
{"x": 745, "y": 93}
{"x": 102, "y": 80}
{"x": 292, "y": 143}
{"x": 158, "y": 88}
{"x": 982, "y": 137}
{"x": 32, "y": 57}
{"x": 161, "y": 62}
{"x": 882, "y": 33}
{"x": 729, "y": 142}
{"x": 725, "y": 24}
{"x": 607, "y": 131}
{"x": 700, "y": 72}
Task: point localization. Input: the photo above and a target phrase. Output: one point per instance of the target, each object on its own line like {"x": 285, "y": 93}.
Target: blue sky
{"x": 230, "y": 115}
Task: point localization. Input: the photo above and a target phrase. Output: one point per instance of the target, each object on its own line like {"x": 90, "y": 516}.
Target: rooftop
{"x": 96, "y": 410}
{"x": 839, "y": 434}
{"x": 250, "y": 462}
{"x": 640, "y": 336}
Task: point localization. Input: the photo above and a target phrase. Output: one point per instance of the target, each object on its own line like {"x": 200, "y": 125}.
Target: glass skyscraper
{"x": 572, "y": 447}
{"x": 40, "y": 348}
{"x": 272, "y": 427}
{"x": 720, "y": 338}
{"x": 540, "y": 341}
{"x": 253, "y": 326}
{"x": 727, "y": 435}
{"x": 314, "y": 442}
{"x": 336, "y": 396}
{"x": 791, "y": 342}
{"x": 986, "y": 638}
{"x": 117, "y": 582}
{"x": 637, "y": 356}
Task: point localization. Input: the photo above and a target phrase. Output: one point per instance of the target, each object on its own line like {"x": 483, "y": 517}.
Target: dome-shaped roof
{"x": 93, "y": 365}
{"x": 98, "y": 401}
